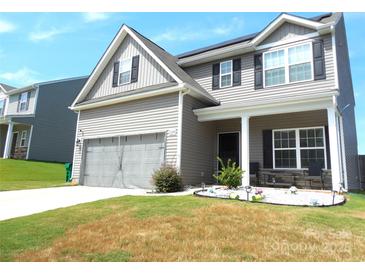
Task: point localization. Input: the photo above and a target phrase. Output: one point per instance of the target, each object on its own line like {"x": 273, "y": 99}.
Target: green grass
{"x": 158, "y": 217}
{"x": 19, "y": 174}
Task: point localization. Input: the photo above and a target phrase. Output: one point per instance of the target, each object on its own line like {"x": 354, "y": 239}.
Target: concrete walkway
{"x": 27, "y": 202}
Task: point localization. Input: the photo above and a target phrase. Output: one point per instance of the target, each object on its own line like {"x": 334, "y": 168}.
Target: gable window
{"x": 289, "y": 65}
{"x": 297, "y": 148}
{"x": 23, "y": 138}
{"x": 23, "y": 101}
{"x": 125, "y": 71}
{"x": 226, "y": 74}
{"x": 2, "y": 106}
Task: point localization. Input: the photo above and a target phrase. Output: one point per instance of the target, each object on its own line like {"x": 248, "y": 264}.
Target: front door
{"x": 229, "y": 147}
{"x": 13, "y": 144}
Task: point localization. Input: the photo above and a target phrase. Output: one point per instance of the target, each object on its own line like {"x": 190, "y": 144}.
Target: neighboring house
{"x": 35, "y": 121}
{"x": 281, "y": 99}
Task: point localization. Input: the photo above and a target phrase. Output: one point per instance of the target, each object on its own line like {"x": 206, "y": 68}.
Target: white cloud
{"x": 95, "y": 16}
{"x": 21, "y": 77}
{"x": 193, "y": 33}
{"x": 6, "y": 26}
{"x": 41, "y": 35}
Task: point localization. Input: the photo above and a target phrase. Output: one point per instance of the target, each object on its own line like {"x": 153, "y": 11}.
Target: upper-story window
{"x": 293, "y": 64}
{"x": 226, "y": 69}
{"x": 125, "y": 71}
{"x": 23, "y": 101}
{"x": 2, "y": 106}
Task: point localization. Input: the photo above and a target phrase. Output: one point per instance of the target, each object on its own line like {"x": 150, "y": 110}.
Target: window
{"x": 297, "y": 148}
{"x": 226, "y": 74}
{"x": 2, "y": 106}
{"x": 293, "y": 64}
{"x": 125, "y": 71}
{"x": 23, "y": 138}
{"x": 23, "y": 101}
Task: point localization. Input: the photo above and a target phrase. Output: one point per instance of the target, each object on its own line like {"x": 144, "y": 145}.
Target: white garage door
{"x": 123, "y": 162}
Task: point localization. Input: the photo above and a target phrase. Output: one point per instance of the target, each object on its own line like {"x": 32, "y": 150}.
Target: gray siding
{"x": 13, "y": 104}
{"x": 245, "y": 92}
{"x": 150, "y": 72}
{"x": 154, "y": 114}
{"x": 197, "y": 155}
{"x": 347, "y": 97}
{"x": 20, "y": 129}
{"x": 54, "y": 124}
{"x": 286, "y": 31}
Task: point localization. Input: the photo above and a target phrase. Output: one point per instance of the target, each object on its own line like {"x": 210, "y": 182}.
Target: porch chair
{"x": 315, "y": 173}
{"x": 254, "y": 171}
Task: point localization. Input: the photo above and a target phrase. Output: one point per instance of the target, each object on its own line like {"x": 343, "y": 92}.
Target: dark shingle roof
{"x": 7, "y": 87}
{"x": 321, "y": 18}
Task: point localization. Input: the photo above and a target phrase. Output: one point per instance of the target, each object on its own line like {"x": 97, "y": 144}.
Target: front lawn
{"x": 187, "y": 229}
{"x": 19, "y": 174}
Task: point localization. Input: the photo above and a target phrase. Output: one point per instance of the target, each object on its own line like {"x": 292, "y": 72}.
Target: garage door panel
{"x": 124, "y": 162}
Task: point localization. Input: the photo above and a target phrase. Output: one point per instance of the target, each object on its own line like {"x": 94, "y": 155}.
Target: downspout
{"x": 75, "y": 146}
{"x": 182, "y": 93}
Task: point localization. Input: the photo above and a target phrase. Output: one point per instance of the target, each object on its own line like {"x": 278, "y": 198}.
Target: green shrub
{"x": 167, "y": 179}
{"x": 230, "y": 175}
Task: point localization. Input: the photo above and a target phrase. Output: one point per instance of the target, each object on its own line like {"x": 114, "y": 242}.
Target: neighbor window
{"x": 226, "y": 74}
{"x": 125, "y": 71}
{"x": 23, "y": 101}
{"x": 2, "y": 106}
{"x": 297, "y": 148}
{"x": 293, "y": 64}
{"x": 23, "y": 138}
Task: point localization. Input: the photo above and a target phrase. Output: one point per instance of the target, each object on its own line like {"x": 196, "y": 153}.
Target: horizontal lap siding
{"x": 150, "y": 72}
{"x": 197, "y": 143}
{"x": 13, "y": 103}
{"x": 246, "y": 92}
{"x": 286, "y": 31}
{"x": 152, "y": 114}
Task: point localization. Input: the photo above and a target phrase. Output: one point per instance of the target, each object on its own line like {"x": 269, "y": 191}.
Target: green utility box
{"x": 68, "y": 167}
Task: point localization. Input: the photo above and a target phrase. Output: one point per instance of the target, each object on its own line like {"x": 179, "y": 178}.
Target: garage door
{"x": 123, "y": 162}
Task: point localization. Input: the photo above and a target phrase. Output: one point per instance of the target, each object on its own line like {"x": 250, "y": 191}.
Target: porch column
{"x": 334, "y": 148}
{"x": 245, "y": 149}
{"x": 9, "y": 139}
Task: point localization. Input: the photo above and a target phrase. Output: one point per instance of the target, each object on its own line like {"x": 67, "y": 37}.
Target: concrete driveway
{"x": 19, "y": 203}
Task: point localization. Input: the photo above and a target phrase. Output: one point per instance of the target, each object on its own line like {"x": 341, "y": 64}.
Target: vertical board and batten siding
{"x": 197, "y": 154}
{"x": 246, "y": 92}
{"x": 286, "y": 31}
{"x": 13, "y": 104}
{"x": 347, "y": 97}
{"x": 153, "y": 114}
{"x": 150, "y": 72}
{"x": 260, "y": 123}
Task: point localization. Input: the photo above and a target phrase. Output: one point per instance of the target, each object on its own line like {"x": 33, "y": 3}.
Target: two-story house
{"x": 35, "y": 121}
{"x": 280, "y": 101}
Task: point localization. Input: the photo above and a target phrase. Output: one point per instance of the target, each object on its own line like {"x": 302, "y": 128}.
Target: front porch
{"x": 284, "y": 148}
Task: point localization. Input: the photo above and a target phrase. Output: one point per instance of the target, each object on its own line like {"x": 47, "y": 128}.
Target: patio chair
{"x": 315, "y": 173}
{"x": 254, "y": 171}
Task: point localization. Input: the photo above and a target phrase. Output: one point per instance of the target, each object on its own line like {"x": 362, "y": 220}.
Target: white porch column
{"x": 9, "y": 139}
{"x": 245, "y": 149}
{"x": 335, "y": 152}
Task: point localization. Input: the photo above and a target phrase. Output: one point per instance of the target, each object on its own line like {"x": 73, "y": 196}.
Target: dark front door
{"x": 13, "y": 144}
{"x": 229, "y": 147}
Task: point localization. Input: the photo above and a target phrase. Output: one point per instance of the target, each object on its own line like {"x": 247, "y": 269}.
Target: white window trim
{"x": 224, "y": 74}
{"x": 120, "y": 71}
{"x": 23, "y": 101}
{"x": 23, "y": 138}
{"x": 298, "y": 148}
{"x": 286, "y": 65}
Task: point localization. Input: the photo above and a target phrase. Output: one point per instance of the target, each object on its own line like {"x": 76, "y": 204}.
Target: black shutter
{"x": 215, "y": 78}
{"x": 28, "y": 100}
{"x": 258, "y": 71}
{"x": 328, "y": 155}
{"x": 237, "y": 72}
{"x": 115, "y": 74}
{"x": 318, "y": 60}
{"x": 19, "y": 96}
{"x": 267, "y": 148}
{"x": 135, "y": 65}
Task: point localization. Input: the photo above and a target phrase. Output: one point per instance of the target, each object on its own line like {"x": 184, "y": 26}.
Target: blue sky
{"x": 47, "y": 46}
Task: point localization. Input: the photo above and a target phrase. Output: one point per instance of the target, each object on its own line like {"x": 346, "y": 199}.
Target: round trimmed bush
{"x": 167, "y": 179}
